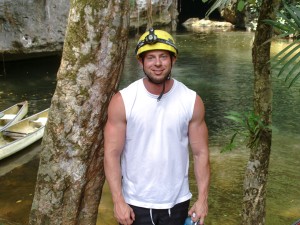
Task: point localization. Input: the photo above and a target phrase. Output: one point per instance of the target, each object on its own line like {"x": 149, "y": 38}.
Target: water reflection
{"x": 32, "y": 80}
{"x": 216, "y": 65}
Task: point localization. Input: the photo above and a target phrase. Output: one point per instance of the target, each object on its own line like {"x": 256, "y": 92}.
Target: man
{"x": 150, "y": 124}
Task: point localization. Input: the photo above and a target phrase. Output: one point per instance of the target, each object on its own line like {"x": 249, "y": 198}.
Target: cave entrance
{"x": 195, "y": 9}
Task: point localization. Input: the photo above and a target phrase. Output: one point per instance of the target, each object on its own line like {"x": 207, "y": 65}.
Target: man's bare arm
{"x": 198, "y": 138}
{"x": 114, "y": 139}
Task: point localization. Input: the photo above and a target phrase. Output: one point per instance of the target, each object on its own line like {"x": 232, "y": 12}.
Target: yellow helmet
{"x": 156, "y": 40}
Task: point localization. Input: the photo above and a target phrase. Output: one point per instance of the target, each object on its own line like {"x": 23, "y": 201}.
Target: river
{"x": 218, "y": 66}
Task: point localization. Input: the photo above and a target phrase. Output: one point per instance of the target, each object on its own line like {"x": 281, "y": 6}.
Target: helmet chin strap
{"x": 164, "y": 86}
{"x": 162, "y": 82}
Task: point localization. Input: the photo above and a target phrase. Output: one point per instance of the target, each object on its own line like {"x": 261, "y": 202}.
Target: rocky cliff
{"x": 31, "y": 28}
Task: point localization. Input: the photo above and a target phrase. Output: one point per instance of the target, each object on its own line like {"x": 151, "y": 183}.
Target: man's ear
{"x": 173, "y": 60}
{"x": 140, "y": 60}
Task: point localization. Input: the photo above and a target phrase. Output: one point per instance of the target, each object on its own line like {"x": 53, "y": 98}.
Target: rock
{"x": 205, "y": 25}
{"x": 195, "y": 22}
{"x": 36, "y": 28}
{"x": 32, "y": 27}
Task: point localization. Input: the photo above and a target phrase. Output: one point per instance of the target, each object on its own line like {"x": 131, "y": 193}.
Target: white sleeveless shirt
{"x": 155, "y": 158}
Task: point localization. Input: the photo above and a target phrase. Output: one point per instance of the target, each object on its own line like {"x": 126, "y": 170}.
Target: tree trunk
{"x": 254, "y": 201}
{"x": 71, "y": 175}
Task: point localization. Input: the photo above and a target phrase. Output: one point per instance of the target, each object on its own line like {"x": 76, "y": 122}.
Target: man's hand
{"x": 124, "y": 213}
{"x": 199, "y": 211}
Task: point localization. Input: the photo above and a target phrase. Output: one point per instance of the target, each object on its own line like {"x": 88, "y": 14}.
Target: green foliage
{"x": 249, "y": 127}
{"x": 216, "y": 5}
{"x": 132, "y": 3}
{"x": 253, "y": 2}
{"x": 287, "y": 60}
{"x": 241, "y": 5}
{"x": 287, "y": 22}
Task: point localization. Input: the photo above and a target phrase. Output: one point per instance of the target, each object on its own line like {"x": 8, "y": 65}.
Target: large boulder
{"x": 32, "y": 27}
{"x": 203, "y": 25}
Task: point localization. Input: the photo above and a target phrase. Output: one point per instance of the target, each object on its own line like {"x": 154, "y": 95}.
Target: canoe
{"x": 22, "y": 134}
{"x": 13, "y": 114}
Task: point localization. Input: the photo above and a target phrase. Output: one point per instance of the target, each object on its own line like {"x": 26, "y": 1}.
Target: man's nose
{"x": 157, "y": 61}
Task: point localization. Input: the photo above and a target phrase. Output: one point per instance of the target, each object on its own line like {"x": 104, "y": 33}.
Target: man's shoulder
{"x": 183, "y": 86}
{"x": 131, "y": 86}
{"x": 129, "y": 93}
{"x": 134, "y": 83}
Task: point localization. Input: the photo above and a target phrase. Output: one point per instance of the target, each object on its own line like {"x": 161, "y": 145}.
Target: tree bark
{"x": 254, "y": 201}
{"x": 71, "y": 175}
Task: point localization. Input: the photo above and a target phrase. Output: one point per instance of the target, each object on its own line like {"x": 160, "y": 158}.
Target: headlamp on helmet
{"x": 151, "y": 38}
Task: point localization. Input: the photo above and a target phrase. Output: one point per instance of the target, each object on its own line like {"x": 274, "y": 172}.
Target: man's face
{"x": 157, "y": 65}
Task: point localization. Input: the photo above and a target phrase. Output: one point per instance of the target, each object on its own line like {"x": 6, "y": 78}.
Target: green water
{"x": 218, "y": 66}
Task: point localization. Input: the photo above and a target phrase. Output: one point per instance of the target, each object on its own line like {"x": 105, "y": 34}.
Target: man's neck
{"x": 156, "y": 89}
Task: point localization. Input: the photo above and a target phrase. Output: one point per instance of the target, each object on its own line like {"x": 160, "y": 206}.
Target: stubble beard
{"x": 158, "y": 79}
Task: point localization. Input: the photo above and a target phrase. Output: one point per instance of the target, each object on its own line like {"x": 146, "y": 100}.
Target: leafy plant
{"x": 249, "y": 127}
{"x": 241, "y": 4}
{"x": 217, "y": 4}
{"x": 287, "y": 60}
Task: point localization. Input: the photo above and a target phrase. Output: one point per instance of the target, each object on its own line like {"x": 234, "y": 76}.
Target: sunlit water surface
{"x": 218, "y": 66}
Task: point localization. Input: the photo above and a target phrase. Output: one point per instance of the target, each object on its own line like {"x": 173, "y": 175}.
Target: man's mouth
{"x": 158, "y": 72}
